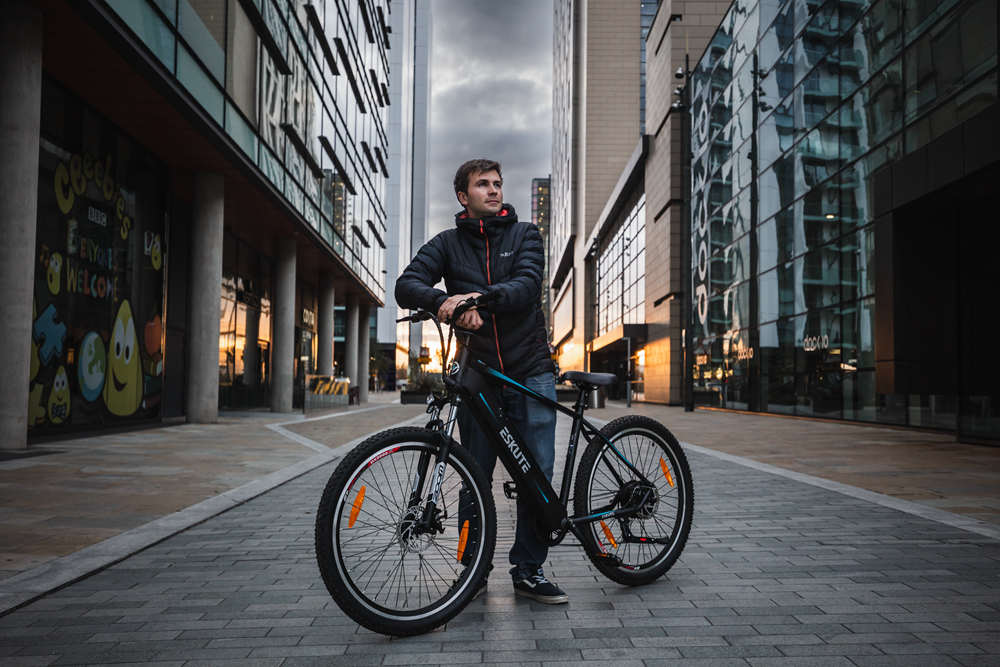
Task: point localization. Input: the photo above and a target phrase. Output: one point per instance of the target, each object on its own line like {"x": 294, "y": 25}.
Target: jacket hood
{"x": 506, "y": 216}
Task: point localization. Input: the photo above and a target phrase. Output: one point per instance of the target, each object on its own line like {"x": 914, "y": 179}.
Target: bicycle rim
{"x": 388, "y": 569}
{"x": 660, "y": 521}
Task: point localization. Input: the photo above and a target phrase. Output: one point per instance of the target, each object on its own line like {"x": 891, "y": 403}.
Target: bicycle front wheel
{"x": 645, "y": 545}
{"x": 383, "y": 568}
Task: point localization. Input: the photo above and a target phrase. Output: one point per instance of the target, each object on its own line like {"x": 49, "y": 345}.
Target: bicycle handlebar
{"x": 468, "y": 304}
{"x": 464, "y": 306}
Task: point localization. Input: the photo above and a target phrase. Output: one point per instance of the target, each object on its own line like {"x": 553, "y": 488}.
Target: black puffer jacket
{"x": 495, "y": 254}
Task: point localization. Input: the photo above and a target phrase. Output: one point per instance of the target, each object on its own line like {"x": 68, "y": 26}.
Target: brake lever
{"x": 419, "y": 316}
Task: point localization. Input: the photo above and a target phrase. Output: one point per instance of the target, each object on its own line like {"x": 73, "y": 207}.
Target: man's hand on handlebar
{"x": 470, "y": 319}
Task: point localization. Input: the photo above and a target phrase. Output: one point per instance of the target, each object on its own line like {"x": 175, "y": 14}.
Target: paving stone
{"x": 335, "y": 661}
{"x": 729, "y": 651}
{"x": 248, "y": 662}
{"x": 953, "y": 649}
{"x": 904, "y": 661}
{"x": 433, "y": 658}
{"x": 821, "y": 661}
{"x": 697, "y": 662}
{"x": 848, "y": 650}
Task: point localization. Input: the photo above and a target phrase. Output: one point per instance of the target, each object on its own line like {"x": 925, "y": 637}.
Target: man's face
{"x": 484, "y": 196}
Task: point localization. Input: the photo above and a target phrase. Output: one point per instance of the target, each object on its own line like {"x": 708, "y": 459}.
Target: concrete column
{"x": 251, "y": 353}
{"x": 20, "y": 125}
{"x": 324, "y": 357}
{"x": 351, "y": 340}
{"x": 206, "y": 294}
{"x": 363, "y": 349}
{"x": 283, "y": 324}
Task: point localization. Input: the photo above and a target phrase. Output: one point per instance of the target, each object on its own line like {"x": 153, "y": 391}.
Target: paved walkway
{"x": 927, "y": 467}
{"x": 78, "y": 505}
{"x": 778, "y": 571}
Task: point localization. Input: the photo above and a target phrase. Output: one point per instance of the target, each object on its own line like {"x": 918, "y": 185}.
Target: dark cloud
{"x": 491, "y": 87}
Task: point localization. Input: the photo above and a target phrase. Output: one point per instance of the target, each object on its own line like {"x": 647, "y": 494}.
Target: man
{"x": 490, "y": 252}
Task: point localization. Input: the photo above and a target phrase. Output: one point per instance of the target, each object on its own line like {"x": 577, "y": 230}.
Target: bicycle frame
{"x": 475, "y": 384}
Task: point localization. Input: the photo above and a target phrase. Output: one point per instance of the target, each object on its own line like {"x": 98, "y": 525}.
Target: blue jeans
{"x": 536, "y": 423}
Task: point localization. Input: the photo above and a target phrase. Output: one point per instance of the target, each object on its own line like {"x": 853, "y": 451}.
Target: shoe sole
{"x": 544, "y": 599}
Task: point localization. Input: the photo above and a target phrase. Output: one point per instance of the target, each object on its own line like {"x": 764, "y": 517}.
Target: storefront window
{"x": 96, "y": 348}
{"x": 244, "y": 326}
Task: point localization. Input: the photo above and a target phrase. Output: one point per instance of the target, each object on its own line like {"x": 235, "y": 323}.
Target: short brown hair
{"x": 473, "y": 167}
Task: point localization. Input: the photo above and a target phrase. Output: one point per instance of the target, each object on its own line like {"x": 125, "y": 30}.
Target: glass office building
{"x": 844, "y": 161}
{"x": 284, "y": 101}
{"x": 301, "y": 89}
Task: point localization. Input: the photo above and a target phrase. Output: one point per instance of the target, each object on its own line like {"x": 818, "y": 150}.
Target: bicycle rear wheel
{"x": 646, "y": 545}
{"x": 379, "y": 567}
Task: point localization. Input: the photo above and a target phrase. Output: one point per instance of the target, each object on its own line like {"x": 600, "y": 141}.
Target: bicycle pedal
{"x": 510, "y": 490}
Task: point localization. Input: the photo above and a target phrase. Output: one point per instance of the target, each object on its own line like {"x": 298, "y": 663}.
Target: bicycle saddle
{"x": 594, "y": 379}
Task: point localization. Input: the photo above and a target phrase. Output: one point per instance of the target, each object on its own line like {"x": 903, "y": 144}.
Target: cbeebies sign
{"x": 72, "y": 180}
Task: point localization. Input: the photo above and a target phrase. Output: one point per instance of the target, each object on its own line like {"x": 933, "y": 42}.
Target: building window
{"x": 621, "y": 272}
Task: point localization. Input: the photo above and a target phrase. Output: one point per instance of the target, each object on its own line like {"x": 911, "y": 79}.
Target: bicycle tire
{"x": 379, "y": 472}
{"x": 652, "y": 449}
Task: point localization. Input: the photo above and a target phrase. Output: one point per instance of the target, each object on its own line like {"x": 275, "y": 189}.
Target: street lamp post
{"x": 628, "y": 371}
{"x": 683, "y": 105}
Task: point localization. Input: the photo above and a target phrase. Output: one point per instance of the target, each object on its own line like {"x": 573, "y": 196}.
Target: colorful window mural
{"x": 97, "y": 334}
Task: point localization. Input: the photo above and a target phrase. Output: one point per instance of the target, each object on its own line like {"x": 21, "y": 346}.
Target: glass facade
{"x": 794, "y": 106}
{"x": 301, "y": 89}
{"x": 561, "y": 206}
{"x": 244, "y": 325}
{"x": 621, "y": 273}
{"x": 647, "y": 12}
{"x": 540, "y": 218}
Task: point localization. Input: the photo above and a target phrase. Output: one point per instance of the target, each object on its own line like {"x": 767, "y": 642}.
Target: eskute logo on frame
{"x": 508, "y": 437}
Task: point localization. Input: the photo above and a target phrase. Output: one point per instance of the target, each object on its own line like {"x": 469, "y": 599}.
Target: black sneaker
{"x": 537, "y": 587}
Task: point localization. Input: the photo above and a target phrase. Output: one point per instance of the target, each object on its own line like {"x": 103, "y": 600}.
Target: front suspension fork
{"x": 433, "y": 494}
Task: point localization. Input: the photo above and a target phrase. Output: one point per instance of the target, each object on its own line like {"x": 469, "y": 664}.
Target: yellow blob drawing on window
{"x": 156, "y": 253}
{"x": 123, "y": 382}
{"x": 59, "y": 397}
{"x": 53, "y": 272}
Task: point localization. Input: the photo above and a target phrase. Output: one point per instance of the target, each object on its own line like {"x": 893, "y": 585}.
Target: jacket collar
{"x": 505, "y": 217}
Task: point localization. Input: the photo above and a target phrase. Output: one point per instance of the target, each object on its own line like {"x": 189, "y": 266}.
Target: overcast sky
{"x": 491, "y": 87}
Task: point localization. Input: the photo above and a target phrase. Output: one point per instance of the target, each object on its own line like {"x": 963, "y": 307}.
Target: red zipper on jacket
{"x": 489, "y": 281}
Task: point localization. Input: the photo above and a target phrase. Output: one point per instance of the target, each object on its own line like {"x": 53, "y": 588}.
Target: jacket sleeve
{"x": 524, "y": 287}
{"x": 415, "y": 286}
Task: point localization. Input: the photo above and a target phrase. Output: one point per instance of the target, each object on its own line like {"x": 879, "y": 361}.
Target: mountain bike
{"x": 406, "y": 527}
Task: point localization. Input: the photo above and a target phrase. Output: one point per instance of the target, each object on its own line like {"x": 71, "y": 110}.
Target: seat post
{"x": 581, "y": 397}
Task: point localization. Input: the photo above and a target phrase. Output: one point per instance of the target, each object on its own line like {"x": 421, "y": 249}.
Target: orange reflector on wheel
{"x": 358, "y": 499}
{"x": 607, "y": 534}
{"x": 666, "y": 471}
{"x": 462, "y": 539}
